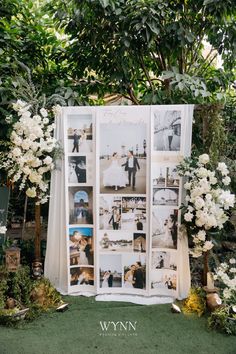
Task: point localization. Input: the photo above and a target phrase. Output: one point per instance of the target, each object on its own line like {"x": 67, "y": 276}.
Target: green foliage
{"x": 133, "y": 42}
{"x": 223, "y": 320}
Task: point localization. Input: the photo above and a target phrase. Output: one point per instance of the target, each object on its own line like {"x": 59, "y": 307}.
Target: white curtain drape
{"x": 55, "y": 267}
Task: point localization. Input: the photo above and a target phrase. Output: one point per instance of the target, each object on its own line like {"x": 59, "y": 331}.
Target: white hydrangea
{"x": 204, "y": 159}
{"x": 29, "y": 160}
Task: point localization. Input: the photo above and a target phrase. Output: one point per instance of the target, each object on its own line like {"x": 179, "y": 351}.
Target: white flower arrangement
{"x": 208, "y": 200}
{"x": 3, "y": 230}
{"x": 226, "y": 274}
{"x": 32, "y": 151}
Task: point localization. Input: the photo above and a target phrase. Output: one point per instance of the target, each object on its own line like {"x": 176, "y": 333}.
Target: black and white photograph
{"x": 164, "y": 227}
{"x": 133, "y": 215}
{"x": 113, "y": 241}
{"x": 166, "y": 196}
{"x": 81, "y": 246}
{"x": 167, "y": 130}
{"x": 80, "y": 205}
{"x": 164, "y": 281}
{"x": 110, "y": 271}
{"x": 123, "y": 152}
{"x": 134, "y": 271}
{"x": 158, "y": 175}
{"x": 172, "y": 177}
{"x": 77, "y": 169}
{"x": 81, "y": 276}
{"x": 139, "y": 242}
{"x": 164, "y": 260}
{"x": 110, "y": 212}
{"x": 79, "y": 133}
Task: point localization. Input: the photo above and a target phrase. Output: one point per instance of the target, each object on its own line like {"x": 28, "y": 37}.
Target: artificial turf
{"x": 78, "y": 330}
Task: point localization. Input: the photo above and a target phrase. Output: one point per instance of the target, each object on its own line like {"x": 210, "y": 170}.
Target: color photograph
{"x": 80, "y": 205}
{"x": 139, "y": 242}
{"x": 164, "y": 227}
{"x": 81, "y": 276}
{"x": 81, "y": 246}
{"x": 113, "y": 241}
{"x": 110, "y": 271}
{"x": 134, "y": 271}
{"x": 133, "y": 215}
{"x": 123, "y": 158}
{"x": 79, "y": 133}
{"x": 110, "y": 212}
{"x": 164, "y": 281}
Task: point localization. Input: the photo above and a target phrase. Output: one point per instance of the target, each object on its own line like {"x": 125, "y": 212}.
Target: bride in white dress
{"x": 105, "y": 280}
{"x": 84, "y": 144}
{"x": 129, "y": 278}
{"x": 72, "y": 175}
{"x": 168, "y": 241}
{"x": 114, "y": 175}
{"x": 83, "y": 260}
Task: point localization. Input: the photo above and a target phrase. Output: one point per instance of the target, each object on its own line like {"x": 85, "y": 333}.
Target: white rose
{"x": 207, "y": 246}
{"x": 25, "y": 144}
{"x": 187, "y": 185}
{"x": 222, "y": 168}
{"x": 188, "y": 217}
{"x": 227, "y": 293}
{"x": 36, "y": 162}
{"x": 199, "y": 203}
{"x": 204, "y": 159}
{"x": 232, "y": 261}
{"x": 47, "y": 160}
{"x": 202, "y": 172}
{"x": 34, "y": 177}
{"x": 43, "y": 112}
{"x": 31, "y": 192}
{"x": 26, "y": 170}
{"x": 16, "y": 152}
{"x": 201, "y": 235}
{"x": 45, "y": 120}
{"x": 226, "y": 180}
{"x": 3, "y": 230}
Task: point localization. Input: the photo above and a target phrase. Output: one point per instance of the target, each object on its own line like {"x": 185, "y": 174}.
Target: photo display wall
{"x": 123, "y": 193}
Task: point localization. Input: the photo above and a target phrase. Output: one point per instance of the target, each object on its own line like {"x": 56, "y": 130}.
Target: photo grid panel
{"x": 79, "y": 181}
{"x": 166, "y": 198}
{"x": 122, "y": 201}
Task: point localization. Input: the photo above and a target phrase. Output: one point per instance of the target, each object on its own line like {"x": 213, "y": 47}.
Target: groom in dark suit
{"x": 138, "y": 276}
{"x": 131, "y": 166}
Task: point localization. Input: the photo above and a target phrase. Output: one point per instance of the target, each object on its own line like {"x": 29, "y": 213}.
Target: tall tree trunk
{"x": 37, "y": 239}
{"x": 205, "y": 267}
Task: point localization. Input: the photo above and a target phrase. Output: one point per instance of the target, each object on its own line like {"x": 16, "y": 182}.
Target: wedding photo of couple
{"x": 79, "y": 133}
{"x": 115, "y": 241}
{"x": 164, "y": 260}
{"x": 110, "y": 271}
{"x": 81, "y": 276}
{"x": 164, "y": 281}
{"x": 80, "y": 205}
{"x": 110, "y": 212}
{"x": 77, "y": 169}
{"x": 123, "y": 158}
{"x": 167, "y": 130}
{"x": 81, "y": 246}
{"x": 164, "y": 227}
{"x": 133, "y": 215}
{"x": 134, "y": 276}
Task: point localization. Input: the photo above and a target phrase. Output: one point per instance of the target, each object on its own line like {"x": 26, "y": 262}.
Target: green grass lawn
{"x": 78, "y": 330}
